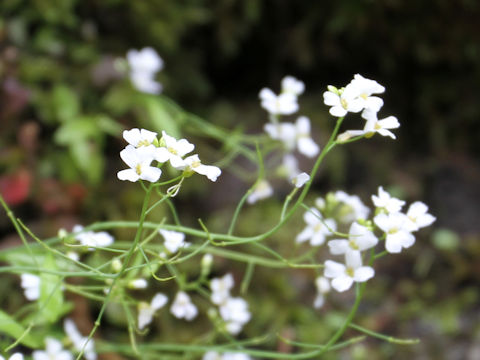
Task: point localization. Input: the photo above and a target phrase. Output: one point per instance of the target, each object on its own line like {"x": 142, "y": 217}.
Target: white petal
{"x": 338, "y": 111}
{"x": 161, "y": 154}
{"x": 307, "y": 147}
{"x": 363, "y": 273}
{"x": 305, "y": 235}
{"x": 128, "y": 174}
{"x": 211, "y": 172}
{"x": 393, "y": 245}
{"x": 331, "y": 99}
{"x": 338, "y": 247}
{"x": 300, "y": 179}
{"x": 333, "y": 269}
{"x": 342, "y": 283}
{"x": 390, "y": 122}
{"x": 158, "y": 301}
{"x": 151, "y": 174}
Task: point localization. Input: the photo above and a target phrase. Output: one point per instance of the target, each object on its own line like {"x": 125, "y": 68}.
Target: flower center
{"x": 143, "y": 143}
{"x": 353, "y": 244}
{"x": 364, "y": 96}
{"x": 350, "y": 271}
{"x": 138, "y": 169}
{"x": 318, "y": 227}
{"x": 344, "y": 103}
{"x": 393, "y": 230}
{"x": 377, "y": 126}
{"x": 196, "y": 164}
{"x": 172, "y": 150}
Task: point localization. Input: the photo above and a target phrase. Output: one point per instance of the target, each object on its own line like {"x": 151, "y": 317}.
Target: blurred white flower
{"x": 31, "y": 285}
{"x": 138, "y": 284}
{"x": 386, "y": 202}
{"x": 221, "y": 288}
{"x": 143, "y": 66}
{"x": 323, "y": 287}
{"x": 92, "y": 239}
{"x": 79, "y": 341}
{"x": 53, "y": 351}
{"x": 343, "y": 275}
{"x": 397, "y": 231}
{"x": 16, "y": 356}
{"x": 139, "y": 160}
{"x": 292, "y": 85}
{"x": 366, "y": 88}
{"x": 305, "y": 144}
{"x": 174, "y": 240}
{"x": 146, "y": 310}
{"x": 235, "y": 356}
{"x": 261, "y": 191}
{"x": 283, "y": 104}
{"x": 317, "y": 228}
{"x": 355, "y": 208}
{"x": 359, "y": 239}
{"x": 182, "y": 307}
{"x": 234, "y": 311}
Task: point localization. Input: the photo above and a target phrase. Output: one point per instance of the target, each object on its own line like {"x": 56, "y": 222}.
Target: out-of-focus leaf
{"x": 445, "y": 239}
{"x": 77, "y": 130}
{"x": 10, "y": 327}
{"x": 51, "y": 294}
{"x": 159, "y": 118}
{"x": 108, "y": 125}
{"x": 118, "y": 99}
{"x": 88, "y": 159}
{"x": 65, "y": 103}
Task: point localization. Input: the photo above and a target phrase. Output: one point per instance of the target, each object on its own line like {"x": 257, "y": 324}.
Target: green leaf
{"x": 77, "y": 130}
{"x": 160, "y": 119}
{"x": 65, "y": 103}
{"x": 51, "y": 294}
{"x": 10, "y": 327}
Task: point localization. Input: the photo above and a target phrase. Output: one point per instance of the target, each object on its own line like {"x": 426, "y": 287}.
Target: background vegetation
{"x": 64, "y": 103}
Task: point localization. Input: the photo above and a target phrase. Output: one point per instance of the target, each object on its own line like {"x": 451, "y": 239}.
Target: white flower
{"x": 285, "y": 132}
{"x": 386, "y": 202}
{"x": 234, "y": 311}
{"x": 174, "y": 240}
{"x": 31, "y": 285}
{"x": 235, "y": 356}
{"x": 396, "y": 228}
{"x": 317, "y": 228}
{"x": 289, "y": 167}
{"x": 355, "y": 208}
{"x": 365, "y": 88}
{"x": 305, "y": 144}
{"x": 79, "y": 341}
{"x": 16, "y": 356}
{"x": 283, "y": 104}
{"x": 139, "y": 137}
{"x": 92, "y": 239}
{"x": 139, "y": 161}
{"x": 193, "y": 163}
{"x": 359, "y": 239}
{"x": 372, "y": 126}
{"x": 294, "y": 135}
{"x": 418, "y": 217}
{"x": 54, "y": 351}
{"x": 300, "y": 179}
{"x": 146, "y": 311}
{"x": 138, "y": 284}
{"x": 221, "y": 288}
{"x": 183, "y": 308}
{"x": 262, "y": 190}
{"x": 342, "y": 101}
{"x": 143, "y": 66}
{"x": 323, "y": 287}
{"x": 145, "y": 60}
{"x": 292, "y": 85}
{"x": 355, "y": 97}
{"x": 174, "y": 150}
{"x": 344, "y": 275}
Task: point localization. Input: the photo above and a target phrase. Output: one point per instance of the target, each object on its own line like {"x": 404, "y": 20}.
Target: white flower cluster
{"x": 144, "y": 64}
{"x": 396, "y": 227}
{"x": 91, "y": 239}
{"x": 143, "y": 148}
{"x": 233, "y": 310}
{"x": 174, "y": 241}
{"x": 80, "y": 342}
{"x": 293, "y": 136}
{"x": 358, "y": 96}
